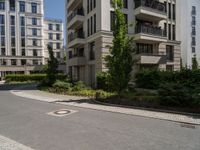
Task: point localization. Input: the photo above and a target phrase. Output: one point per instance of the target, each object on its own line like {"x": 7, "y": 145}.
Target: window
{"x": 193, "y": 10}
{"x": 112, "y": 20}
{"x": 142, "y": 48}
{"x": 22, "y": 6}
{"x": 125, "y": 3}
{"x": 23, "y": 52}
{"x": 2, "y": 19}
{"x": 3, "y": 51}
{"x": 170, "y": 52}
{"x": 88, "y": 27}
{"x": 2, "y": 5}
{"x": 3, "y": 42}
{"x": 169, "y": 32}
{"x": 193, "y": 30}
{"x": 34, "y": 32}
{"x": 2, "y": 30}
{"x": 12, "y": 5}
{"x": 91, "y": 25}
{"x": 88, "y": 6}
{"x": 34, "y": 42}
{"x": 169, "y": 11}
{"x": 12, "y": 20}
{"x": 34, "y": 21}
{"x": 95, "y": 28}
{"x": 22, "y": 21}
{"x": 193, "y": 41}
{"x": 50, "y": 27}
{"x": 35, "y": 62}
{"x": 169, "y": 67}
{"x": 193, "y": 20}
{"x": 57, "y": 36}
{"x": 174, "y": 32}
{"x": 12, "y": 31}
{"x": 57, "y": 45}
{"x": 13, "y": 42}
{"x": 92, "y": 52}
{"x": 13, "y": 62}
{"x": 34, "y": 8}
{"x": 50, "y": 36}
{"x": 23, "y": 42}
{"x": 51, "y": 44}
{"x": 35, "y": 52}
{"x": 22, "y": 31}
{"x": 174, "y": 11}
{"x": 23, "y": 62}
{"x": 193, "y": 49}
{"x": 13, "y": 52}
{"x": 57, "y": 27}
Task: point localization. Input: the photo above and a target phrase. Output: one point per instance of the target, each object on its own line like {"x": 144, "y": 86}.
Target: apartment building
{"x": 53, "y": 36}
{"x": 189, "y": 30}
{"x": 89, "y": 25}
{"x": 21, "y": 44}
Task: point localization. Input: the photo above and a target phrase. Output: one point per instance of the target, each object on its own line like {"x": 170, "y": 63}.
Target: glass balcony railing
{"x": 79, "y": 12}
{"x": 153, "y": 4}
{"x": 146, "y": 29}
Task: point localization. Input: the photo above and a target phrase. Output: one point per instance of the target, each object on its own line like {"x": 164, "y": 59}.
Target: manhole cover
{"x": 61, "y": 112}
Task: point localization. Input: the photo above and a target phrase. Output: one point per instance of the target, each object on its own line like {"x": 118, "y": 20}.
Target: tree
{"x": 120, "y": 60}
{"x": 52, "y": 67}
{"x": 195, "y": 64}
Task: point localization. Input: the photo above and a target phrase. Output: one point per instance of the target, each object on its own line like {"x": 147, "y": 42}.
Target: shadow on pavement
{"x": 8, "y": 87}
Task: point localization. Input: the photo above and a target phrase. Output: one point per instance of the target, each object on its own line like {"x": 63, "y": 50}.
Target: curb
{"x": 149, "y": 109}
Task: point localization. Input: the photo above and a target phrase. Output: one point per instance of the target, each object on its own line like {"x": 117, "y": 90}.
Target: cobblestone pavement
{"x": 8, "y": 144}
{"x": 83, "y": 102}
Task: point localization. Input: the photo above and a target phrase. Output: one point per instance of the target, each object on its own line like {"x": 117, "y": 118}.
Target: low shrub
{"x": 62, "y": 85}
{"x": 30, "y": 77}
{"x": 103, "y": 81}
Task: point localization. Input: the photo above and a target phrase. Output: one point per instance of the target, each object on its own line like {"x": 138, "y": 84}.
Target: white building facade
{"x": 53, "y": 36}
{"x": 23, "y": 37}
{"x": 189, "y": 30}
{"x": 89, "y": 25}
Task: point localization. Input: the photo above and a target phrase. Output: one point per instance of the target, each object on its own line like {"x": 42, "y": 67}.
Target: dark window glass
{"x": 34, "y": 7}
{"x": 95, "y": 28}
{"x": 22, "y": 21}
{"x": 2, "y": 5}
{"x": 34, "y": 21}
{"x": 22, "y": 7}
{"x": 12, "y": 20}
{"x": 2, "y": 19}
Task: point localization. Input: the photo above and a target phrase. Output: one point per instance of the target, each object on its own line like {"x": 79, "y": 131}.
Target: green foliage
{"x": 24, "y": 78}
{"x": 78, "y": 86}
{"x": 103, "y": 81}
{"x": 180, "y": 95}
{"x": 120, "y": 61}
{"x": 30, "y": 77}
{"x": 52, "y": 67}
{"x": 195, "y": 64}
{"x": 62, "y": 85}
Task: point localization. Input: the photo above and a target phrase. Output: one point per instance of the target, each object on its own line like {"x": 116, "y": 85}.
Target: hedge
{"x": 30, "y": 77}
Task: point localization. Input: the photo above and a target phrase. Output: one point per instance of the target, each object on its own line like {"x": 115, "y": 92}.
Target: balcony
{"x": 75, "y": 19}
{"x": 150, "y": 10}
{"x": 149, "y": 34}
{"x": 77, "y": 61}
{"x": 72, "y": 4}
{"x": 153, "y": 59}
{"x": 76, "y": 39}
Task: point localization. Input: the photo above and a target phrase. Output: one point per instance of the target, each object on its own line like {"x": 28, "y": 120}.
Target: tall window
{"x": 12, "y": 20}
{"x": 174, "y": 12}
{"x": 57, "y": 36}
{"x": 88, "y": 27}
{"x": 34, "y": 42}
{"x": 125, "y": 2}
{"x": 12, "y": 5}
{"x": 2, "y": 5}
{"x": 193, "y": 10}
{"x": 34, "y": 21}
{"x": 92, "y": 52}
{"x": 169, "y": 11}
{"x": 91, "y": 25}
{"x": 50, "y": 27}
{"x": 12, "y": 30}
{"x": 22, "y": 21}
{"x": 112, "y": 20}
{"x": 169, "y": 32}
{"x": 22, "y": 7}
{"x": 34, "y": 32}
{"x": 2, "y": 19}
{"x": 57, "y": 27}
{"x": 95, "y": 28}
{"x": 170, "y": 52}
{"x": 174, "y": 32}
{"x": 35, "y": 52}
{"x": 50, "y": 36}
{"x": 34, "y": 8}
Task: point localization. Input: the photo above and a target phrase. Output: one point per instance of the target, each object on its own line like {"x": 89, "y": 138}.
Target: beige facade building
{"x": 89, "y": 25}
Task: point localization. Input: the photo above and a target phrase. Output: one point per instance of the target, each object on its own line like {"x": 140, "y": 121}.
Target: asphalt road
{"x": 28, "y": 122}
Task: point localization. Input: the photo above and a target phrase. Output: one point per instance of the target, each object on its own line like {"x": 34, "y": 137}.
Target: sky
{"x": 54, "y": 9}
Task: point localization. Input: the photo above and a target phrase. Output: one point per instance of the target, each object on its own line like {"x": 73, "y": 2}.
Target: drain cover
{"x": 61, "y": 112}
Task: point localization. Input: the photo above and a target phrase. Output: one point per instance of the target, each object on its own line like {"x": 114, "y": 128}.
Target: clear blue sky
{"x": 55, "y": 9}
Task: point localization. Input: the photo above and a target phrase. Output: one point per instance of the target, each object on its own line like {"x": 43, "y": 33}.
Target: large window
{"x": 34, "y": 32}
{"x": 92, "y": 51}
{"x": 170, "y": 52}
{"x": 12, "y": 5}
{"x": 34, "y": 7}
{"x": 50, "y": 36}
{"x": 2, "y": 19}
{"x": 50, "y": 27}
{"x": 22, "y": 21}
{"x": 12, "y": 20}
{"x": 22, "y": 7}
{"x": 34, "y": 21}
{"x": 57, "y": 27}
{"x": 2, "y": 5}
{"x": 57, "y": 36}
{"x": 12, "y": 30}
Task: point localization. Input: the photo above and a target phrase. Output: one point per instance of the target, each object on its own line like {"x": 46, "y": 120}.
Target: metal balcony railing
{"x": 79, "y": 12}
{"x": 146, "y": 29}
{"x": 153, "y": 4}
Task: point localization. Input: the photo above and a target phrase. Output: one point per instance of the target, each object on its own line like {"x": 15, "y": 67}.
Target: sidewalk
{"x": 89, "y": 104}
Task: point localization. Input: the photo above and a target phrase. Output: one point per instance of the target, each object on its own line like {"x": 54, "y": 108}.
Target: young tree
{"x": 120, "y": 60}
{"x": 195, "y": 64}
{"x": 52, "y": 67}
